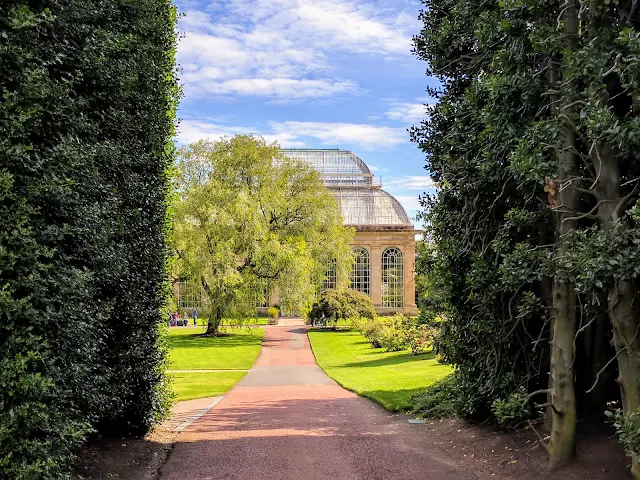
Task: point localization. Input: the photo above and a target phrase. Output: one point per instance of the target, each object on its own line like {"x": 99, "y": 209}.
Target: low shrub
{"x": 627, "y": 431}
{"x": 273, "y": 312}
{"x": 391, "y": 335}
{"x": 343, "y": 304}
{"x": 440, "y": 400}
{"x": 510, "y": 413}
{"x": 396, "y": 333}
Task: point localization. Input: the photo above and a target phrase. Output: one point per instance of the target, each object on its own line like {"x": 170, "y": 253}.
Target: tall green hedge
{"x": 87, "y": 102}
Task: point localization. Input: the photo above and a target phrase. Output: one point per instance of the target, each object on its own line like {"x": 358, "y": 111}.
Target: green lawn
{"x": 189, "y": 350}
{"x": 203, "y": 384}
{"x": 389, "y": 378}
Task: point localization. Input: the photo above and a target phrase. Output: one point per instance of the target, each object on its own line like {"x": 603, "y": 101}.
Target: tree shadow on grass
{"x": 197, "y": 340}
{"x": 395, "y": 360}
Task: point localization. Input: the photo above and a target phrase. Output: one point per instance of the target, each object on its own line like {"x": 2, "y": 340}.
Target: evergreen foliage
{"x": 534, "y": 146}
{"x": 87, "y": 95}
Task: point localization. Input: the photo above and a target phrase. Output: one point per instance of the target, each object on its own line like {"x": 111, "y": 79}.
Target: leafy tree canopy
{"x": 247, "y": 216}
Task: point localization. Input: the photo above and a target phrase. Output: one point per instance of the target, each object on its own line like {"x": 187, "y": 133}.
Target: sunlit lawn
{"x": 192, "y": 385}
{"x": 389, "y": 378}
{"x": 189, "y": 350}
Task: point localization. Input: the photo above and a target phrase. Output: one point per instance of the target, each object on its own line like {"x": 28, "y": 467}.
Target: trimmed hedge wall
{"x": 87, "y": 102}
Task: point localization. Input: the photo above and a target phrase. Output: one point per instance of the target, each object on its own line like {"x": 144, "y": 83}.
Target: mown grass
{"x": 389, "y": 378}
{"x": 188, "y": 386}
{"x": 190, "y": 350}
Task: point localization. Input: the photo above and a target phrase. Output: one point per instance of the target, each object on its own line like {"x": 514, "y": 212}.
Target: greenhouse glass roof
{"x": 363, "y": 204}
{"x": 338, "y": 167}
{"x": 370, "y": 207}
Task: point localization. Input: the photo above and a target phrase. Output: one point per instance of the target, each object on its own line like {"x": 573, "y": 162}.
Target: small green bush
{"x": 627, "y": 430}
{"x": 339, "y": 305}
{"x": 511, "y": 412}
{"x": 440, "y": 400}
{"x": 273, "y": 312}
{"x": 396, "y": 333}
{"x": 391, "y": 335}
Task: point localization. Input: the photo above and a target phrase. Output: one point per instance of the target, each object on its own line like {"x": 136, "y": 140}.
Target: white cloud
{"x": 298, "y": 134}
{"x": 408, "y": 112}
{"x": 277, "y": 87}
{"x": 280, "y": 48}
{"x": 364, "y": 136}
{"x": 414, "y": 182}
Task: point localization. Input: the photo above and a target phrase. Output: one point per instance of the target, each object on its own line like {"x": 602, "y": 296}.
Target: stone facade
{"x": 378, "y": 241}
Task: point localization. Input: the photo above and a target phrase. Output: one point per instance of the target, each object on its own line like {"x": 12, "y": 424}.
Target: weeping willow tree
{"x": 247, "y": 215}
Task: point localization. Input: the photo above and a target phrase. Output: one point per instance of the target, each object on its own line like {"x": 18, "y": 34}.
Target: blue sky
{"x": 309, "y": 73}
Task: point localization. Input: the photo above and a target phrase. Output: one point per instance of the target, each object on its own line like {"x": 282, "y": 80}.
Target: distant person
{"x": 194, "y": 314}
{"x": 185, "y": 320}
{"x": 175, "y": 319}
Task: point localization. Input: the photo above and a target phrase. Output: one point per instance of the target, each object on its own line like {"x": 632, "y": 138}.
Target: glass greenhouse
{"x": 384, "y": 243}
{"x": 363, "y": 203}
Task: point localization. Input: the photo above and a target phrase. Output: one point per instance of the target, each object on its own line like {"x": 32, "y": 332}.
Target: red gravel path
{"x": 287, "y": 420}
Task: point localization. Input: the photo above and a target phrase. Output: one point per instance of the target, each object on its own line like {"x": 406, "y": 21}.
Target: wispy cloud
{"x": 407, "y": 113}
{"x": 299, "y": 134}
{"x": 364, "y": 136}
{"x": 281, "y": 49}
{"x": 414, "y": 182}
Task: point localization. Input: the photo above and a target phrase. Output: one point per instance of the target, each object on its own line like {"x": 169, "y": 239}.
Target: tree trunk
{"x": 624, "y": 317}
{"x": 214, "y": 322}
{"x": 562, "y": 442}
{"x": 624, "y": 313}
{"x": 215, "y": 319}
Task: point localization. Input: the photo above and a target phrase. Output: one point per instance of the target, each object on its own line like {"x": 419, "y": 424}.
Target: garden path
{"x": 287, "y": 420}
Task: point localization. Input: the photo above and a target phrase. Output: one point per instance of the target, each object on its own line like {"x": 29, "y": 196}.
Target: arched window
{"x": 392, "y": 278}
{"x": 360, "y": 277}
{"x": 331, "y": 277}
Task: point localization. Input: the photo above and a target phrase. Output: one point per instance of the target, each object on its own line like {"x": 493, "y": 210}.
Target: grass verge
{"x": 389, "y": 378}
{"x": 190, "y": 385}
{"x": 189, "y": 350}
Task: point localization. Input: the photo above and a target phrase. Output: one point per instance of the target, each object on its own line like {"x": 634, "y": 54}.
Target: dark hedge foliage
{"x": 87, "y": 96}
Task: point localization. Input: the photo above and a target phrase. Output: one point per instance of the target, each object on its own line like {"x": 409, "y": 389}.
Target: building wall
{"x": 376, "y": 242}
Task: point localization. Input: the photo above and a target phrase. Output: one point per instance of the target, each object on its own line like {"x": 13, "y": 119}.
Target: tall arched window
{"x": 392, "y": 278}
{"x": 331, "y": 277}
{"x": 360, "y": 277}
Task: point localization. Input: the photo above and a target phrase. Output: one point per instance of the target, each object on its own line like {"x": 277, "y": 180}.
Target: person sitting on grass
{"x": 185, "y": 320}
